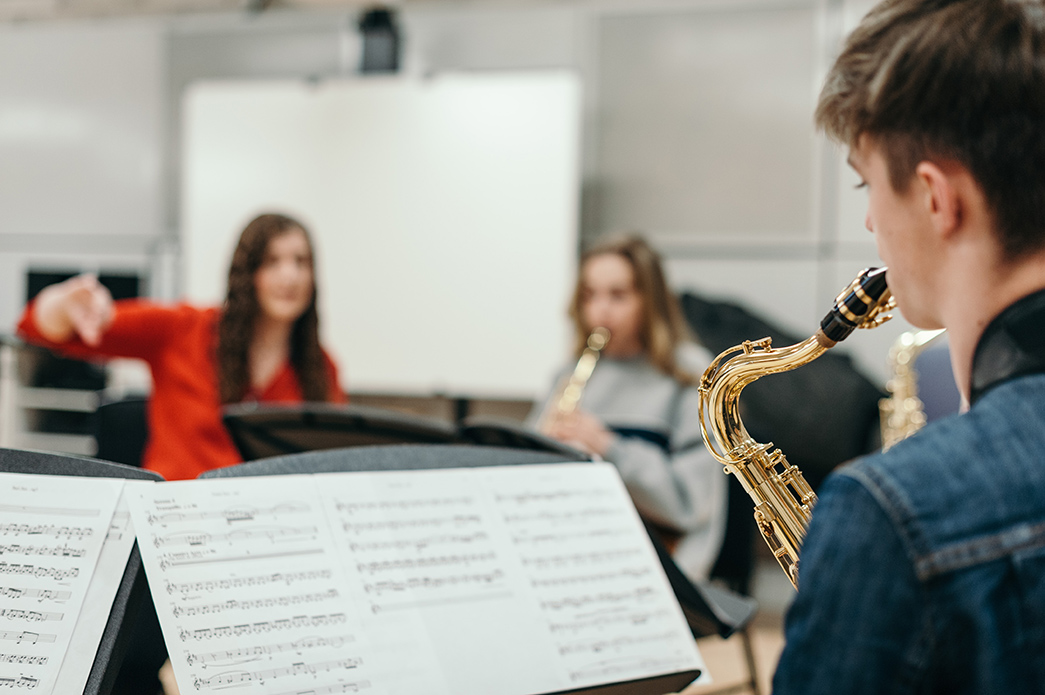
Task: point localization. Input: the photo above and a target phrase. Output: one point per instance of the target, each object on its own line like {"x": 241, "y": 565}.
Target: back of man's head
{"x": 960, "y": 80}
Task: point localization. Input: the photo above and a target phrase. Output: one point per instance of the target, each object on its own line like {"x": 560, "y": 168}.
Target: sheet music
{"x": 526, "y": 579}
{"x": 248, "y": 591}
{"x": 51, "y": 533}
{"x": 101, "y": 592}
{"x": 602, "y": 595}
{"x": 510, "y": 580}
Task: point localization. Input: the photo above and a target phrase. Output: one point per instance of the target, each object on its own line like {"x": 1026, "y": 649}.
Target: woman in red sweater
{"x": 262, "y": 345}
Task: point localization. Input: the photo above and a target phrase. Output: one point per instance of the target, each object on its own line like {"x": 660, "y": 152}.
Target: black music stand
{"x": 709, "y": 610}
{"x": 510, "y": 434}
{"x": 261, "y": 431}
{"x": 133, "y": 590}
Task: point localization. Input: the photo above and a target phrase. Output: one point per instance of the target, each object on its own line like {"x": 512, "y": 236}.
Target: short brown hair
{"x": 663, "y": 326}
{"x": 962, "y": 80}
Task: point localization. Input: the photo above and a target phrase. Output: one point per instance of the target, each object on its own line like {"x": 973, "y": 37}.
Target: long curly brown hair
{"x": 236, "y": 327}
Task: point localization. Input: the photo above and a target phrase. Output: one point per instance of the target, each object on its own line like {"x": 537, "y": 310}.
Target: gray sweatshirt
{"x": 658, "y": 450}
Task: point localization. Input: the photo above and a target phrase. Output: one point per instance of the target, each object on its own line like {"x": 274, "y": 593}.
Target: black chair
{"x": 709, "y": 610}
{"x": 130, "y": 597}
{"x": 121, "y": 430}
{"x": 510, "y": 434}
{"x": 735, "y": 567}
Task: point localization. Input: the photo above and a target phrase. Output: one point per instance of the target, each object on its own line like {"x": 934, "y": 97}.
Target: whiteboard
{"x": 444, "y": 213}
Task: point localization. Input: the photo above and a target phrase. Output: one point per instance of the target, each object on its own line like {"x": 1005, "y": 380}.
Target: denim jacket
{"x": 923, "y": 570}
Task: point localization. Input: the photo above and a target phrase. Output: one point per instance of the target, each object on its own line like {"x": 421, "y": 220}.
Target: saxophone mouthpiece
{"x": 858, "y": 306}
{"x": 598, "y": 338}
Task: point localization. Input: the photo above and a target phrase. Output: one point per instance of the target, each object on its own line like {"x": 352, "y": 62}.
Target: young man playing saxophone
{"x": 923, "y": 570}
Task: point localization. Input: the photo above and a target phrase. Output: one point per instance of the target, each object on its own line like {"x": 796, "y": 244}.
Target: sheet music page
{"x": 101, "y": 592}
{"x": 522, "y": 579}
{"x": 51, "y": 533}
{"x": 249, "y": 593}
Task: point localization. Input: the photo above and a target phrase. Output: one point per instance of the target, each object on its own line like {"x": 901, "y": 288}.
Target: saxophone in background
{"x": 572, "y": 390}
{"x": 783, "y": 499}
{"x": 903, "y": 413}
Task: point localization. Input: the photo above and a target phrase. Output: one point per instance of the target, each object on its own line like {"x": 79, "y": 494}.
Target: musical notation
{"x": 230, "y": 657}
{"x": 420, "y": 544}
{"x": 55, "y": 573}
{"x": 77, "y": 532}
{"x": 272, "y": 534}
{"x": 406, "y": 562}
{"x": 607, "y": 619}
{"x": 612, "y": 668}
{"x": 566, "y": 517}
{"x": 565, "y": 580}
{"x": 40, "y": 595}
{"x": 638, "y": 594}
{"x": 580, "y": 558}
{"x": 27, "y": 682}
{"x": 424, "y": 562}
{"x": 42, "y": 550}
{"x": 52, "y": 531}
{"x": 233, "y": 678}
{"x": 555, "y": 496}
{"x": 254, "y": 604}
{"x": 545, "y": 538}
{"x": 212, "y": 585}
{"x": 402, "y": 504}
{"x": 262, "y": 627}
{"x": 417, "y": 583}
{"x": 403, "y": 524}
{"x": 229, "y": 515}
{"x": 202, "y": 557}
{"x": 602, "y": 645}
{"x": 31, "y": 616}
{"x": 6, "y": 509}
{"x": 26, "y": 637}
{"x": 27, "y": 659}
{"x": 332, "y": 689}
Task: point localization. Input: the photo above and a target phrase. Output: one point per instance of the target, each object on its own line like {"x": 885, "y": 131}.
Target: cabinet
{"x": 45, "y": 417}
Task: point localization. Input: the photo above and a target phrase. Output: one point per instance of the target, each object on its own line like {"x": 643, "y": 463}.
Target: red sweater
{"x": 186, "y": 434}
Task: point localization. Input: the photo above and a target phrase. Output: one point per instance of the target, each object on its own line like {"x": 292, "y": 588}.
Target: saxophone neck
{"x": 726, "y": 377}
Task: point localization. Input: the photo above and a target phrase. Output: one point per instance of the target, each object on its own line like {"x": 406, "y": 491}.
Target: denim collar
{"x": 1013, "y": 345}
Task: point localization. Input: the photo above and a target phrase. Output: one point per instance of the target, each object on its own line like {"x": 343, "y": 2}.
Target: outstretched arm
{"x": 79, "y": 307}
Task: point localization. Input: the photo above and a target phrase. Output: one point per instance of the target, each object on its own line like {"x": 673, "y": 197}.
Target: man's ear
{"x": 941, "y": 195}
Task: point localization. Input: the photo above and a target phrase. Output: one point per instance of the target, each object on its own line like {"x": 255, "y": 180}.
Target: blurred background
{"x": 451, "y": 158}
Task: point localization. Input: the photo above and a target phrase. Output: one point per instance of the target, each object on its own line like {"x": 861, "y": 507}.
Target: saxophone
{"x": 571, "y": 392}
{"x": 903, "y": 413}
{"x": 783, "y": 499}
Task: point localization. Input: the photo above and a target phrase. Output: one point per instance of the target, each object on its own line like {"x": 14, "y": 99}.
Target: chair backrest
{"x": 735, "y": 564}
{"x": 514, "y": 435}
{"x": 707, "y": 611}
{"x": 133, "y": 588}
{"x": 402, "y": 457}
{"x": 122, "y": 430}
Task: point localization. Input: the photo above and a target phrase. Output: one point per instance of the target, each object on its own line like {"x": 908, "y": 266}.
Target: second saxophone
{"x": 571, "y": 391}
{"x": 783, "y": 499}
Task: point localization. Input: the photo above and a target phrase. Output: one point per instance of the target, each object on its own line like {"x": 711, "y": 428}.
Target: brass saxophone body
{"x": 783, "y": 499}
{"x": 903, "y": 413}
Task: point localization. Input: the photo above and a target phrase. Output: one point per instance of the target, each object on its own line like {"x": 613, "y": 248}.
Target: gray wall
{"x": 697, "y": 131}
